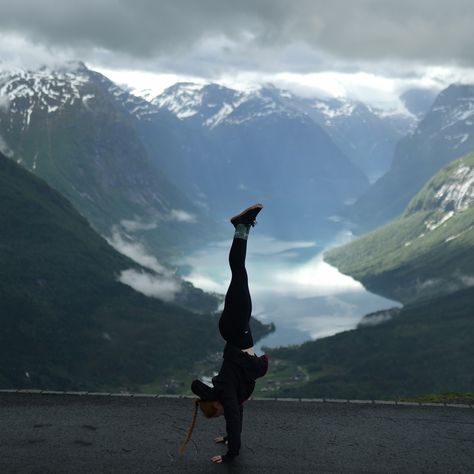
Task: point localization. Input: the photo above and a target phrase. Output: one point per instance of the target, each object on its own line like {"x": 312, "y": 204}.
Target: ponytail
{"x": 209, "y": 411}
{"x": 191, "y": 429}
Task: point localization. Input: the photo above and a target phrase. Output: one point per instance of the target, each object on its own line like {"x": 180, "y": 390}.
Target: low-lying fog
{"x": 290, "y": 285}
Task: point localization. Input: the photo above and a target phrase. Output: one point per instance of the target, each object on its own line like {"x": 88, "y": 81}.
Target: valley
{"x": 135, "y": 194}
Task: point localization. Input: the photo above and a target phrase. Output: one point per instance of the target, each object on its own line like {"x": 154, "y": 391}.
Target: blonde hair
{"x": 208, "y": 409}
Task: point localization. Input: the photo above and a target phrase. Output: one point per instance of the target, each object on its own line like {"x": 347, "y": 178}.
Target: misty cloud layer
{"x": 150, "y": 284}
{"x": 267, "y": 35}
{"x": 160, "y": 283}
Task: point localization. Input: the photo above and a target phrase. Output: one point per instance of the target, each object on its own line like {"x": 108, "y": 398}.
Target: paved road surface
{"x": 107, "y": 434}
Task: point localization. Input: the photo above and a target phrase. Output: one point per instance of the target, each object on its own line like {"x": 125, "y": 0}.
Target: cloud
{"x": 376, "y": 318}
{"x": 134, "y": 225}
{"x": 155, "y": 286}
{"x": 136, "y": 252}
{"x": 4, "y": 102}
{"x": 467, "y": 280}
{"x": 182, "y": 216}
{"x": 273, "y": 35}
{"x": 138, "y": 224}
{"x": 5, "y": 149}
{"x": 161, "y": 283}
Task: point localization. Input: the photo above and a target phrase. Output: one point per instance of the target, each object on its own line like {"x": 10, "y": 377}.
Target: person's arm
{"x": 225, "y": 439}
{"x": 233, "y": 418}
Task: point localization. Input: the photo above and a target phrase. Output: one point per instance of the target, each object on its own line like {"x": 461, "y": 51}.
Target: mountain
{"x": 154, "y": 170}
{"x": 427, "y": 251}
{"x": 241, "y": 147}
{"x": 424, "y": 259}
{"x": 423, "y": 348}
{"x": 77, "y": 130}
{"x": 445, "y": 133}
{"x": 67, "y": 321}
{"x": 419, "y": 101}
{"x": 365, "y": 134}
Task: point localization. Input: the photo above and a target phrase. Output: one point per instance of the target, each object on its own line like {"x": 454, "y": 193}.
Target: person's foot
{"x": 247, "y": 217}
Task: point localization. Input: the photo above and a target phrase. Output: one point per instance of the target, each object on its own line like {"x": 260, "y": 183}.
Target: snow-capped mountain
{"x": 44, "y": 91}
{"x": 366, "y": 135}
{"x": 450, "y": 192}
{"x": 212, "y": 105}
{"x": 258, "y": 145}
{"x": 120, "y": 157}
{"x": 52, "y": 89}
{"x": 77, "y": 130}
{"x": 446, "y": 133}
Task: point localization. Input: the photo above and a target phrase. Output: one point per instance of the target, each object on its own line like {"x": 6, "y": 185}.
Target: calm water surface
{"x": 291, "y": 286}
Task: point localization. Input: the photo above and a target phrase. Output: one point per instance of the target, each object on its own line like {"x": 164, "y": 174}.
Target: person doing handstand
{"x": 235, "y": 382}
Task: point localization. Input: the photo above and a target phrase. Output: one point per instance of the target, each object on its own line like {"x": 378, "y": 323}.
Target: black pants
{"x": 234, "y": 322}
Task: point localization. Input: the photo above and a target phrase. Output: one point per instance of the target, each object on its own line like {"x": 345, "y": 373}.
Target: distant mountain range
{"x": 193, "y": 154}
{"x": 289, "y": 152}
{"x": 445, "y": 133}
{"x": 366, "y": 135}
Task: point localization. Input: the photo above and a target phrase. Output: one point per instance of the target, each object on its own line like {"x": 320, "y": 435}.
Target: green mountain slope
{"x": 444, "y": 134}
{"x": 67, "y": 323}
{"x": 426, "y": 348}
{"x": 428, "y": 250}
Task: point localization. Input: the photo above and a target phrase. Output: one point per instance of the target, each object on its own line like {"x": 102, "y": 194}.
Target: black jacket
{"x": 233, "y": 385}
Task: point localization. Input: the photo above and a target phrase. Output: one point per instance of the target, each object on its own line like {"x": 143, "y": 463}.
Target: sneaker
{"x": 247, "y": 217}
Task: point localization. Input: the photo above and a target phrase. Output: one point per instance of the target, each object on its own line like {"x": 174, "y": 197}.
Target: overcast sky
{"x": 355, "y": 47}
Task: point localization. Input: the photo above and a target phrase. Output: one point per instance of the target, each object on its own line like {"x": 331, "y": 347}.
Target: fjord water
{"x": 290, "y": 285}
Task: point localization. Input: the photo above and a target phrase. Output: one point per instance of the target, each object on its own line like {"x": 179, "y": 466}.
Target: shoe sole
{"x": 251, "y": 208}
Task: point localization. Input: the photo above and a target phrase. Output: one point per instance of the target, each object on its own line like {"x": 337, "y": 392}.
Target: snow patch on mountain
{"x": 457, "y": 193}
{"x": 432, "y": 225}
{"x": 460, "y": 111}
{"x": 342, "y": 109}
{"x": 220, "y": 116}
{"x": 45, "y": 90}
{"x": 217, "y": 105}
{"x": 183, "y": 99}
{"x": 459, "y": 138}
{"x": 456, "y": 236}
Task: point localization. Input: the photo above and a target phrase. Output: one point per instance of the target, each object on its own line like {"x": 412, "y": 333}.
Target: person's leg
{"x": 234, "y": 322}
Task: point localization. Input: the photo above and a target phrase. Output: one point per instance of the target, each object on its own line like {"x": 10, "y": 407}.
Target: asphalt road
{"x": 108, "y": 434}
